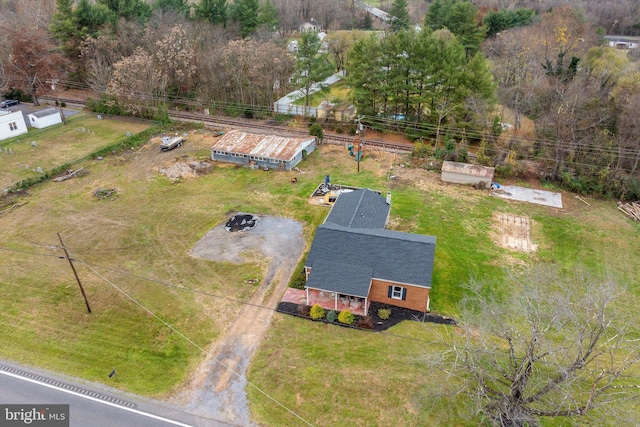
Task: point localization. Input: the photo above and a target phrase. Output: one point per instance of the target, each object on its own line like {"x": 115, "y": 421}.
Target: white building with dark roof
{"x": 44, "y": 118}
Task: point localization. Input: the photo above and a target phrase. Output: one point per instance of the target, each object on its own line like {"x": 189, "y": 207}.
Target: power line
{"x": 190, "y": 341}
{"x": 200, "y": 292}
{"x": 409, "y": 127}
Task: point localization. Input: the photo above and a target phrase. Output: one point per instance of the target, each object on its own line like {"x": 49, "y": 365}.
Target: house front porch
{"x": 328, "y": 300}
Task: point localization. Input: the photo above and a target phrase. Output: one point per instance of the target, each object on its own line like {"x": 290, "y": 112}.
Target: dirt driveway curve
{"x": 213, "y": 390}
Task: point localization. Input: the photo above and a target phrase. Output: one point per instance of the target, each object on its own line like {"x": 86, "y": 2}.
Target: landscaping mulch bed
{"x": 398, "y": 314}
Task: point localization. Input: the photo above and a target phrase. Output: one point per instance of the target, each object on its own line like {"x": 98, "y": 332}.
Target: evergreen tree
{"x": 268, "y": 16}
{"x": 311, "y": 67}
{"x": 398, "y": 11}
{"x": 417, "y": 75}
{"x": 245, "y": 13}
{"x": 461, "y": 18}
{"x": 435, "y": 16}
{"x": 70, "y": 26}
{"x": 63, "y": 24}
{"x": 131, "y": 10}
{"x": 504, "y": 19}
{"x": 180, "y": 7}
{"x": 367, "y": 22}
{"x": 214, "y": 11}
{"x": 91, "y": 18}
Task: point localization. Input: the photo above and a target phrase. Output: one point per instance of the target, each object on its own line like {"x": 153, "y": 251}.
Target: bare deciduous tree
{"x": 137, "y": 82}
{"x": 557, "y": 347}
{"x": 176, "y": 55}
{"x": 98, "y": 56}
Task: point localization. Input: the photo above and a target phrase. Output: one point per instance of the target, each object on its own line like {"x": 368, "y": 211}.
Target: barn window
{"x": 397, "y": 292}
{"x": 13, "y": 126}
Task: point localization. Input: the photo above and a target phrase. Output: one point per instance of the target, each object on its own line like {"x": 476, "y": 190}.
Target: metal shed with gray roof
{"x": 44, "y": 118}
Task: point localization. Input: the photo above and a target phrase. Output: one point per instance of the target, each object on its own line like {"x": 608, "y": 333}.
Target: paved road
{"x": 88, "y": 405}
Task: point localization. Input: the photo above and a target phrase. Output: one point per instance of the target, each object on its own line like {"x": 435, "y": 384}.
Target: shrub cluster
{"x": 346, "y": 317}
{"x": 365, "y": 323}
{"x": 384, "y": 313}
{"x": 316, "y": 130}
{"x": 304, "y": 310}
{"x": 299, "y": 279}
{"x": 332, "y": 316}
{"x": 316, "y": 312}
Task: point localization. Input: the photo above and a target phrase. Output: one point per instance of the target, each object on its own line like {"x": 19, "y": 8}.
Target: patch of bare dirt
{"x": 513, "y": 232}
{"x": 182, "y": 170}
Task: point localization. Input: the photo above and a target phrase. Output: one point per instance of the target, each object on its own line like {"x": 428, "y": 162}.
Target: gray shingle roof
{"x": 347, "y": 279}
{"x": 360, "y": 209}
{"x": 46, "y": 112}
{"x": 391, "y": 255}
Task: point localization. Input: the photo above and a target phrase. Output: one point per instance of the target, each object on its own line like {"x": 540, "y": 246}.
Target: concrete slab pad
{"x": 531, "y": 195}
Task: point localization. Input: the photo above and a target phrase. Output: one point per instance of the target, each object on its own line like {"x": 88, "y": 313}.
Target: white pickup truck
{"x": 169, "y": 143}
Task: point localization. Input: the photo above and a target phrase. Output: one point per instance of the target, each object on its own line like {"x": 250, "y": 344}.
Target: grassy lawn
{"x": 82, "y": 135}
{"x": 336, "y": 93}
{"x": 333, "y": 376}
{"x": 330, "y": 375}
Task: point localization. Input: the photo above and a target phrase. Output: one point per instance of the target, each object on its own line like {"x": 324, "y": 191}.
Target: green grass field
{"x": 54, "y": 146}
{"x": 336, "y": 93}
{"x": 329, "y": 375}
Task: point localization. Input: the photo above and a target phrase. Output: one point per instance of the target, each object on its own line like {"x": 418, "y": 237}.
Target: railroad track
{"x": 329, "y": 138}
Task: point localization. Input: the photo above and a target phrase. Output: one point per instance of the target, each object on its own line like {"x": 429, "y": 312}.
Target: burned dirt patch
{"x": 241, "y": 222}
{"x": 105, "y": 193}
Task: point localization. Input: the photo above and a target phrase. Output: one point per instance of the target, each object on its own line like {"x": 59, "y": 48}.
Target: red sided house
{"x": 355, "y": 260}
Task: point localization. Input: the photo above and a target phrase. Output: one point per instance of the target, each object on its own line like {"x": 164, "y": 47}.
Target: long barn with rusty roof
{"x": 262, "y": 151}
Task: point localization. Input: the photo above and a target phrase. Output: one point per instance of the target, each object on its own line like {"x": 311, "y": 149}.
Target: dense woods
{"x": 457, "y": 73}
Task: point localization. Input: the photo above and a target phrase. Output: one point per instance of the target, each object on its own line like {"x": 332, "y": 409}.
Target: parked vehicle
{"x": 169, "y": 143}
{"x": 9, "y": 103}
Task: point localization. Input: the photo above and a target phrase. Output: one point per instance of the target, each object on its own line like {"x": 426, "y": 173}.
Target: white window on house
{"x": 13, "y": 126}
{"x": 397, "y": 292}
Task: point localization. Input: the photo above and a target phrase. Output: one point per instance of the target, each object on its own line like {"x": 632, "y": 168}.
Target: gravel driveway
{"x": 217, "y": 388}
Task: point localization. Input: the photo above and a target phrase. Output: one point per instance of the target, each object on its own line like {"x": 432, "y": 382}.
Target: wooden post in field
{"x": 75, "y": 273}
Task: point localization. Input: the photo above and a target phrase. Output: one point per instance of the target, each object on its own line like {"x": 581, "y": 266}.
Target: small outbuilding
{"x": 340, "y": 112}
{"x": 45, "y": 118}
{"x": 11, "y": 124}
{"x": 465, "y": 173}
{"x": 262, "y": 151}
{"x": 310, "y": 25}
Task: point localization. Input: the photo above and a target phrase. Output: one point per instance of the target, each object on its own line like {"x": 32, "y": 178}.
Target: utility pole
{"x": 75, "y": 273}
{"x": 360, "y": 140}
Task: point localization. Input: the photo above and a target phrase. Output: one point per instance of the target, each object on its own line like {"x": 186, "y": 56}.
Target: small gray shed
{"x": 44, "y": 118}
{"x": 465, "y": 173}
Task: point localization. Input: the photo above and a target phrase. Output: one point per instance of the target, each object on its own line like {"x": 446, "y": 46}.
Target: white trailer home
{"x": 11, "y": 124}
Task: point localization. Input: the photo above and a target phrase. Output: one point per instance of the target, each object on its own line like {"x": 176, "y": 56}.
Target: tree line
{"x": 446, "y": 80}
